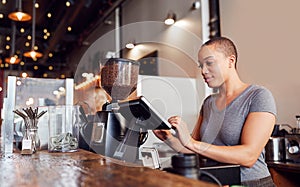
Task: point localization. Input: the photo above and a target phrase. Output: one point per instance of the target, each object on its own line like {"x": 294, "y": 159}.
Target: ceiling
{"x": 83, "y": 16}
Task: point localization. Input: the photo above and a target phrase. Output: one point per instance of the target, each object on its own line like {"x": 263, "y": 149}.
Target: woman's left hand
{"x": 182, "y": 131}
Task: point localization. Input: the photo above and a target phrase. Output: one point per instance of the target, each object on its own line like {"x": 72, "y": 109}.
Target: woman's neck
{"x": 229, "y": 91}
{"x": 232, "y": 86}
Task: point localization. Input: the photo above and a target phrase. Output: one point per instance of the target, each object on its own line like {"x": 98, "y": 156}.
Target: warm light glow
{"x": 30, "y": 101}
{"x": 130, "y": 45}
{"x": 68, "y": 4}
{"x": 50, "y": 55}
{"x": 61, "y": 89}
{"x": 69, "y": 28}
{"x": 19, "y": 16}
{"x": 84, "y": 74}
{"x": 24, "y": 74}
{"x": 19, "y": 83}
{"x": 1, "y": 16}
{"x": 45, "y": 75}
{"x": 22, "y": 30}
{"x": 7, "y": 38}
{"x": 170, "y": 20}
{"x": 7, "y": 47}
{"x": 33, "y": 54}
{"x": 196, "y": 5}
{"x": 49, "y": 15}
{"x": 28, "y": 37}
{"x": 12, "y": 60}
{"x": 45, "y": 30}
{"x": 35, "y": 67}
{"x": 27, "y": 44}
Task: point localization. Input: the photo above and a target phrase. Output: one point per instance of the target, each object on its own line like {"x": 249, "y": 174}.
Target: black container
{"x": 186, "y": 165}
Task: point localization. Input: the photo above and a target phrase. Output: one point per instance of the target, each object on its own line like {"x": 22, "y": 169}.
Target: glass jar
{"x": 32, "y": 134}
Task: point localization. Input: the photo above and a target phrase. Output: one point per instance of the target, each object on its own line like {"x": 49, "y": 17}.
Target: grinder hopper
{"x": 119, "y": 77}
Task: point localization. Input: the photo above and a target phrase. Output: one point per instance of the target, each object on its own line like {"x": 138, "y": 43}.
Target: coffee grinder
{"x": 119, "y": 78}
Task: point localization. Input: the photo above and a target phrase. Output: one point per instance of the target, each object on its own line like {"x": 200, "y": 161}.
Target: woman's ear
{"x": 231, "y": 61}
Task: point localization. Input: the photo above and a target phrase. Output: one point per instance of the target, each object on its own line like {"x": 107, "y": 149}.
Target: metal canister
{"x": 275, "y": 149}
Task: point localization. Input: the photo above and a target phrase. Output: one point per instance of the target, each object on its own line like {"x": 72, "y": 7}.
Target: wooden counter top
{"x": 285, "y": 174}
{"x": 83, "y": 168}
{"x": 285, "y": 166}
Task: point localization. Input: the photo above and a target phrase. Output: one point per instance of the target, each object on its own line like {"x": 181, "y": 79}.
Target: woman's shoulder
{"x": 210, "y": 97}
{"x": 259, "y": 89}
{"x": 262, "y": 100}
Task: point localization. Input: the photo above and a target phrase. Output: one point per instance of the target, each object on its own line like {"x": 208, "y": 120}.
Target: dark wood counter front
{"x": 83, "y": 168}
{"x": 285, "y": 174}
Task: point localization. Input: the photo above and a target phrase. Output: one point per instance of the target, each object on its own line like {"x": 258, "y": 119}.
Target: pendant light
{"x": 13, "y": 59}
{"x": 170, "y": 19}
{"x": 33, "y": 54}
{"x": 19, "y": 15}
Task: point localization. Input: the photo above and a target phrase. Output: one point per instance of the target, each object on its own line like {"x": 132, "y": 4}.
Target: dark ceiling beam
{"x": 87, "y": 32}
{"x": 61, "y": 29}
{"x": 214, "y": 19}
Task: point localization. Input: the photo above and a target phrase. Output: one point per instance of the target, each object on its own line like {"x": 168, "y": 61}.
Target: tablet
{"x": 144, "y": 113}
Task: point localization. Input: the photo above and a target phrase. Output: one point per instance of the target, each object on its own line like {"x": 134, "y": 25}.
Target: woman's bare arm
{"x": 256, "y": 132}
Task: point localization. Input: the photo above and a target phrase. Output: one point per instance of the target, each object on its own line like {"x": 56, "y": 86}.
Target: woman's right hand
{"x": 162, "y": 134}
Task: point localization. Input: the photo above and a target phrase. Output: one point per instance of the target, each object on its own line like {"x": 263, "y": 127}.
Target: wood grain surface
{"x": 83, "y": 168}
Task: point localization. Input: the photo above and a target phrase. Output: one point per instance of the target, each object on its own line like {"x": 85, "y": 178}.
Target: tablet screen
{"x": 144, "y": 113}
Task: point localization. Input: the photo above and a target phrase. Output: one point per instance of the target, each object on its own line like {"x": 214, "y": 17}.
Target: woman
{"x": 234, "y": 124}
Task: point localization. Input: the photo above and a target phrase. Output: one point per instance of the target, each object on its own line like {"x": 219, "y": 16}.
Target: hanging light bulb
{"x": 33, "y": 54}
{"x": 171, "y": 18}
{"x": 130, "y": 45}
{"x": 19, "y": 15}
{"x": 13, "y": 59}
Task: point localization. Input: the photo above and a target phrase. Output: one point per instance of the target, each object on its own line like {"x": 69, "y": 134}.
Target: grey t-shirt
{"x": 224, "y": 127}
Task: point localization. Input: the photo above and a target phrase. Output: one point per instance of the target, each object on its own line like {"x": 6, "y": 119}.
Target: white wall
{"x": 267, "y": 37}
{"x": 171, "y": 96}
{"x": 177, "y": 44}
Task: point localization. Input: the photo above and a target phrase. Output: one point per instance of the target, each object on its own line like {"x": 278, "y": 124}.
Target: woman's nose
{"x": 204, "y": 70}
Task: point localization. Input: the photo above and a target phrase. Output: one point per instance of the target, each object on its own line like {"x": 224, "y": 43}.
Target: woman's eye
{"x": 206, "y": 64}
{"x": 209, "y": 63}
